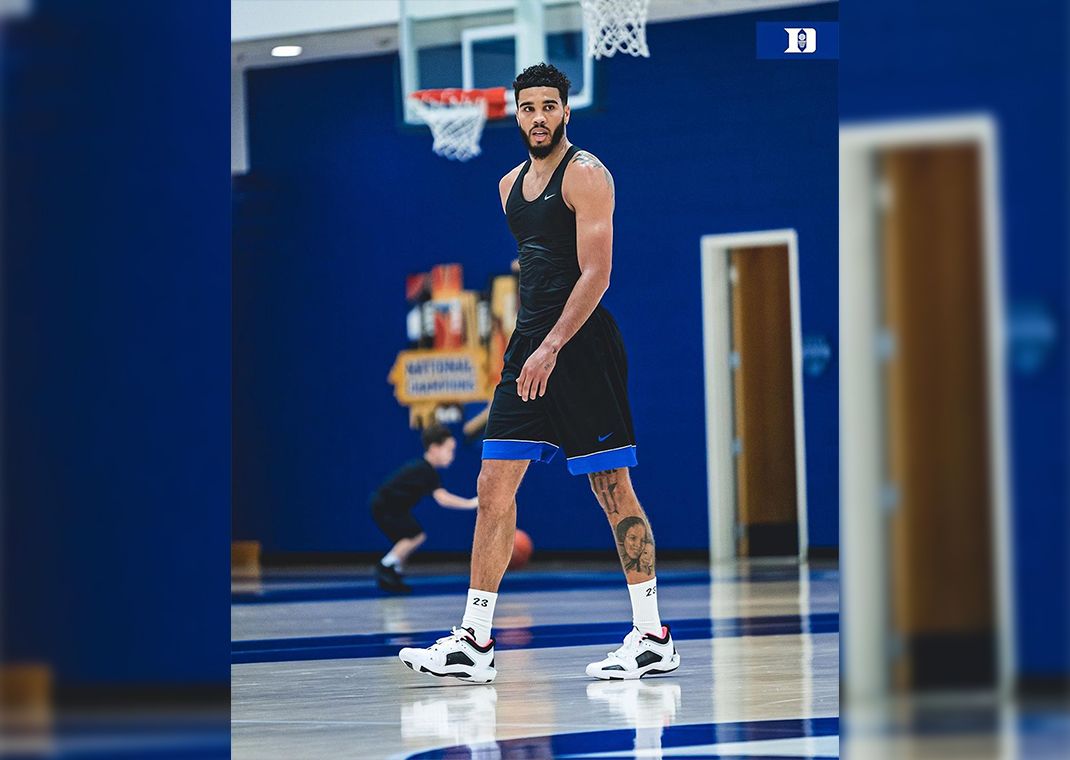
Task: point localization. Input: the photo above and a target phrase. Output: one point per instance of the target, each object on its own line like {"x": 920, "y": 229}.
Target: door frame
{"x": 717, "y": 344}
{"x": 862, "y": 420}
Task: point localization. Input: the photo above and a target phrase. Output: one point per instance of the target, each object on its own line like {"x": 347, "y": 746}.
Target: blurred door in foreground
{"x": 938, "y": 434}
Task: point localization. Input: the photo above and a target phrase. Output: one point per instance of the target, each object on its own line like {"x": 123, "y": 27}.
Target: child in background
{"x": 393, "y": 501}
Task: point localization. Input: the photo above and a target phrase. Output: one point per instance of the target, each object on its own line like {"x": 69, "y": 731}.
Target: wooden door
{"x": 938, "y": 427}
{"x": 764, "y": 402}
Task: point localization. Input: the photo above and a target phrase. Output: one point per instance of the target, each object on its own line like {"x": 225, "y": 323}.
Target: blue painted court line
{"x": 356, "y": 587}
{"x": 688, "y": 740}
{"x": 363, "y": 645}
{"x": 107, "y": 737}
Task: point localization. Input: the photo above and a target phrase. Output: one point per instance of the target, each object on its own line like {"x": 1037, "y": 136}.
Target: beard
{"x": 542, "y": 151}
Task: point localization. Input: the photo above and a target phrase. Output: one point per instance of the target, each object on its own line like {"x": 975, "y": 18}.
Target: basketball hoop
{"x": 456, "y": 117}
{"x": 616, "y": 25}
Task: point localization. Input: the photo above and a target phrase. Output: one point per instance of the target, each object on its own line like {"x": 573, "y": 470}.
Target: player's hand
{"x": 535, "y": 374}
{"x": 473, "y": 502}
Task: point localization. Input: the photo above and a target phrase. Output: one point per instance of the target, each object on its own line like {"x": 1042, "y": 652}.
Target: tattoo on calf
{"x": 583, "y": 158}
{"x": 635, "y": 545}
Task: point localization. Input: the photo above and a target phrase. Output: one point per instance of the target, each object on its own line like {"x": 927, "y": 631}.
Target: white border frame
{"x": 720, "y": 462}
{"x": 865, "y": 562}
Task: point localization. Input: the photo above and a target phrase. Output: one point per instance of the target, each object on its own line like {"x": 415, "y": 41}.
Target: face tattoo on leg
{"x": 632, "y": 538}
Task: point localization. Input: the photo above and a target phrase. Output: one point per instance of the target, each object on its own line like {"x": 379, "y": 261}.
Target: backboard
{"x": 485, "y": 43}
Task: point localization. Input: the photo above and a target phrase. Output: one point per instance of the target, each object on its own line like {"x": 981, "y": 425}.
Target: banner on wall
{"x": 439, "y": 377}
{"x": 457, "y": 340}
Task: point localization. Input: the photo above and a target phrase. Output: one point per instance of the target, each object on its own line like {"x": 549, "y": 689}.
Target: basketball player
{"x": 564, "y": 386}
{"x": 393, "y": 501}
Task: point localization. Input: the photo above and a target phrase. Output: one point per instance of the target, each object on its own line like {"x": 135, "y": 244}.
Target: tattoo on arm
{"x": 583, "y": 158}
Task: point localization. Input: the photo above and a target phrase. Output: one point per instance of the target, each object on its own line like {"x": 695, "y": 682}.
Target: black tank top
{"x": 545, "y": 232}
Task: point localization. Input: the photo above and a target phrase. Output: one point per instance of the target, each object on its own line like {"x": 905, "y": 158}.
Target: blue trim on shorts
{"x": 540, "y": 451}
{"x": 603, "y": 460}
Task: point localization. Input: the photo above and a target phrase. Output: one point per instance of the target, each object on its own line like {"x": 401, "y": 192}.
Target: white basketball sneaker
{"x": 454, "y": 656}
{"x": 641, "y": 654}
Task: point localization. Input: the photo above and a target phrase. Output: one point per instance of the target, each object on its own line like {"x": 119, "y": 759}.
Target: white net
{"x": 456, "y": 126}
{"x": 616, "y": 26}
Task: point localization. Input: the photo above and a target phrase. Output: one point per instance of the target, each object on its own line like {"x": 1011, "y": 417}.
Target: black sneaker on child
{"x": 390, "y": 580}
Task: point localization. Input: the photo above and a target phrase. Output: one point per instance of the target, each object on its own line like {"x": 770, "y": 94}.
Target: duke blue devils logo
{"x": 801, "y": 39}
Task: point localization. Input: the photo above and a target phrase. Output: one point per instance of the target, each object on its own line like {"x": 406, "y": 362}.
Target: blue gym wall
{"x": 922, "y": 70}
{"x": 116, "y": 315}
{"x": 342, "y": 202}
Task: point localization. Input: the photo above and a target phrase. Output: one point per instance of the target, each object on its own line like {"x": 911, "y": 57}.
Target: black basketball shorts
{"x": 585, "y": 410}
{"x": 395, "y": 523}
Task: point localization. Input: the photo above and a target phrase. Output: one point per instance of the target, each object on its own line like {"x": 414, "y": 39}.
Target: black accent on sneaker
{"x": 492, "y": 662}
{"x": 459, "y": 658}
{"x": 613, "y": 667}
{"x": 647, "y": 658}
{"x": 408, "y": 664}
{"x": 652, "y": 637}
{"x": 444, "y": 675}
{"x": 654, "y": 672}
{"x": 472, "y": 640}
{"x": 462, "y": 677}
{"x": 667, "y": 668}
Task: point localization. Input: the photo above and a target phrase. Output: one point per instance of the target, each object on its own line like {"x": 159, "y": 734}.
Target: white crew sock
{"x": 390, "y": 560}
{"x": 645, "y": 615}
{"x": 479, "y": 613}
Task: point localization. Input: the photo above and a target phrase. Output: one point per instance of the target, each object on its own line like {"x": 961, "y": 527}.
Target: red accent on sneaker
{"x": 479, "y": 647}
{"x": 663, "y": 639}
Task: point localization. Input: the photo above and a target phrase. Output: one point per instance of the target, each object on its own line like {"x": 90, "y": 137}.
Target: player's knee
{"x": 491, "y": 497}
{"x": 484, "y": 485}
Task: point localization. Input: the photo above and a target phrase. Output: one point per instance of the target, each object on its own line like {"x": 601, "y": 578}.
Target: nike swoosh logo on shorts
{"x": 603, "y": 437}
{"x": 548, "y": 197}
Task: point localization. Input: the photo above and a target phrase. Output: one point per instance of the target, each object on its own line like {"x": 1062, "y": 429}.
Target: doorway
{"x": 754, "y": 417}
{"x": 925, "y": 524}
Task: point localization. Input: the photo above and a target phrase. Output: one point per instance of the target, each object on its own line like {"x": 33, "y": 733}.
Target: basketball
{"x": 521, "y": 550}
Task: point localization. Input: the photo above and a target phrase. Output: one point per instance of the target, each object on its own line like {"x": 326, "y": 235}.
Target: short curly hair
{"x": 542, "y": 75}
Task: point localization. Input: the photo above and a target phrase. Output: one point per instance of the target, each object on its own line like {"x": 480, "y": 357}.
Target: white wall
{"x": 253, "y": 19}
{"x": 256, "y": 19}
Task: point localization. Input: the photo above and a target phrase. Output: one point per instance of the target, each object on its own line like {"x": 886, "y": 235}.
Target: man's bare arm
{"x": 588, "y": 189}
